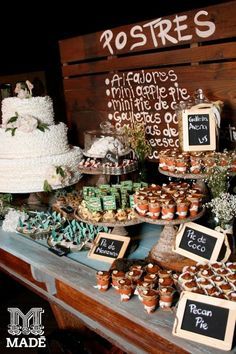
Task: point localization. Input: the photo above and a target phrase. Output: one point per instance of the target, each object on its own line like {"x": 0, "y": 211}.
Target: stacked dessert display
{"x": 106, "y": 153}
{"x": 109, "y": 205}
{"x": 178, "y": 203}
{"x": 35, "y": 154}
{"x": 168, "y": 205}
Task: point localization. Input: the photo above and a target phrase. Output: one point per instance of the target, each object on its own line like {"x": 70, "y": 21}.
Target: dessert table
{"x": 68, "y": 285}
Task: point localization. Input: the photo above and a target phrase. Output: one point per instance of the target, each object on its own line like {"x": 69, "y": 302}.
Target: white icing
{"x": 34, "y": 144}
{"x": 27, "y": 175}
{"x": 39, "y": 107}
{"x": 149, "y": 309}
{"x": 124, "y": 297}
{"x": 29, "y": 158}
{"x": 169, "y": 215}
{"x": 164, "y": 304}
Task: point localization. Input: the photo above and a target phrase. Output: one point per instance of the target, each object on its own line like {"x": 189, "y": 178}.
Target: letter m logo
{"x": 34, "y": 315}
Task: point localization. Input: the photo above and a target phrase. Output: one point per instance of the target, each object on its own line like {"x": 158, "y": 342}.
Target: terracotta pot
{"x": 162, "y": 163}
{"x": 164, "y": 282}
{"x": 103, "y": 280}
{"x": 150, "y": 300}
{"x": 142, "y": 207}
{"x": 170, "y": 164}
{"x": 196, "y": 164}
{"x": 168, "y": 211}
{"x": 166, "y": 297}
{"x": 151, "y": 278}
{"x": 154, "y": 210}
{"x": 134, "y": 275}
{"x": 181, "y": 165}
{"x": 142, "y": 286}
{"x": 125, "y": 289}
{"x": 194, "y": 207}
{"x": 182, "y": 209}
{"x": 152, "y": 268}
{"x": 116, "y": 275}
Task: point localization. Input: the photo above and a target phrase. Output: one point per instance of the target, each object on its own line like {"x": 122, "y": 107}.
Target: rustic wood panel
{"x": 114, "y": 321}
{"x": 91, "y": 45}
{"x": 216, "y": 52}
{"x": 86, "y": 109}
{"x": 19, "y": 266}
{"x": 66, "y": 320}
{"x": 144, "y": 87}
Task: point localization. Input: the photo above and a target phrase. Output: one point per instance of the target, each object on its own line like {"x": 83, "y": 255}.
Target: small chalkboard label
{"x": 108, "y": 247}
{"x": 200, "y": 243}
{"x": 206, "y": 320}
{"x": 199, "y": 130}
{"x": 111, "y": 157}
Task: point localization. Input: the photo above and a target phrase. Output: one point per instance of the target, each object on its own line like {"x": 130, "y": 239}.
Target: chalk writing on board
{"x": 208, "y": 320}
{"x": 199, "y": 129}
{"x": 198, "y": 243}
{"x": 147, "y": 97}
{"x": 108, "y": 248}
{"x": 159, "y": 32}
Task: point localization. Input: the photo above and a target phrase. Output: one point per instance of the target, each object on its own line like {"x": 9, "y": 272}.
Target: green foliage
{"x": 137, "y": 140}
{"x": 60, "y": 171}
{"x": 42, "y": 126}
{"x": 217, "y": 180}
{"x": 47, "y": 187}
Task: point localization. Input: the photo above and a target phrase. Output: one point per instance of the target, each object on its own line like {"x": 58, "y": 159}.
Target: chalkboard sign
{"x": 108, "y": 247}
{"x": 200, "y": 243}
{"x": 205, "y": 319}
{"x": 111, "y": 157}
{"x": 199, "y": 130}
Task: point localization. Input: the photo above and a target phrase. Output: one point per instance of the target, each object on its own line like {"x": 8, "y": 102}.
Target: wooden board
{"x": 154, "y": 72}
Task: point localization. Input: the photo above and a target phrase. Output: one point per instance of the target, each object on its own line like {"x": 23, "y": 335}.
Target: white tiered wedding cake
{"x": 34, "y": 151}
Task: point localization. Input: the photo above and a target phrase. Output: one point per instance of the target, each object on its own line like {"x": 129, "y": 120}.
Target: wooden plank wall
{"x": 138, "y": 72}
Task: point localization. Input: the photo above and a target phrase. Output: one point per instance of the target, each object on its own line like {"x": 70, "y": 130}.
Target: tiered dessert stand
{"x": 162, "y": 251}
{"x": 119, "y": 227}
{"x": 199, "y": 177}
{"x": 104, "y": 176}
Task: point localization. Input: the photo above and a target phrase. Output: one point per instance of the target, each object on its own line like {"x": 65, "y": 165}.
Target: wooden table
{"x": 69, "y": 288}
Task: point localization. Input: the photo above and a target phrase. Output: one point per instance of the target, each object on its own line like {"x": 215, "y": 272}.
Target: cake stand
{"x": 119, "y": 227}
{"x": 162, "y": 251}
{"x": 199, "y": 177}
{"x": 103, "y": 175}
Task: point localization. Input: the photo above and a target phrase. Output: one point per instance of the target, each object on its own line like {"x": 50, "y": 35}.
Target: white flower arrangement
{"x": 24, "y": 90}
{"x": 224, "y": 208}
{"x": 57, "y": 176}
{"x": 11, "y": 220}
{"x": 24, "y": 123}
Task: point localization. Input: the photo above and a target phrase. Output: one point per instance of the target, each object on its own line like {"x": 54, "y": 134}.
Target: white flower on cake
{"x": 24, "y": 90}
{"x": 57, "y": 176}
{"x": 27, "y": 123}
{"x": 24, "y": 123}
{"x": 11, "y": 220}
